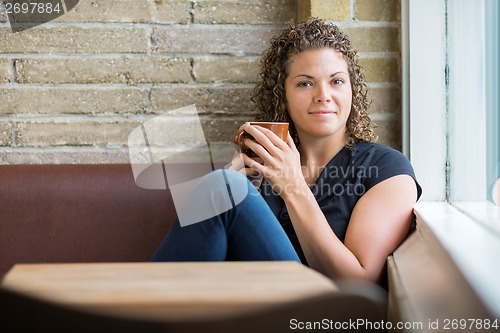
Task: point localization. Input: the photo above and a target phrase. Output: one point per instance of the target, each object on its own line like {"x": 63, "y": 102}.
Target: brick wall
{"x": 72, "y": 90}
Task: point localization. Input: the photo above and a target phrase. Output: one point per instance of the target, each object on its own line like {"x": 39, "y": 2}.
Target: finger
{"x": 258, "y": 149}
{"x": 265, "y": 143}
{"x": 290, "y": 142}
{"x": 275, "y": 139}
{"x": 237, "y": 163}
{"x": 257, "y": 167}
{"x": 246, "y": 171}
{"x": 258, "y": 133}
{"x": 249, "y": 172}
{"x": 258, "y": 159}
{"x": 249, "y": 160}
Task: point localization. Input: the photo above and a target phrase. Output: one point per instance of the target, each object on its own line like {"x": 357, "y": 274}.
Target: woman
{"x": 329, "y": 198}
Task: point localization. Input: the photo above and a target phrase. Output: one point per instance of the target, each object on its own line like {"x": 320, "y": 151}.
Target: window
{"x": 450, "y": 95}
{"x": 450, "y": 52}
{"x": 492, "y": 114}
{"x": 472, "y": 105}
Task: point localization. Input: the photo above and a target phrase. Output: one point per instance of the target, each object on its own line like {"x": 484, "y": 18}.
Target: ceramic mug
{"x": 280, "y": 129}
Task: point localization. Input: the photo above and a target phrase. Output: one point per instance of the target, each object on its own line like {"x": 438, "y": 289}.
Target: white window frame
{"x": 424, "y": 96}
{"x": 443, "y": 111}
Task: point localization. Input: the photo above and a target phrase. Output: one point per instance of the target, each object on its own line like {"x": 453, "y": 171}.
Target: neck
{"x": 319, "y": 152}
{"x": 316, "y": 154}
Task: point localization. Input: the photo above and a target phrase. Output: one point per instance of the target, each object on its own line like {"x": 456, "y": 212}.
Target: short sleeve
{"x": 386, "y": 163}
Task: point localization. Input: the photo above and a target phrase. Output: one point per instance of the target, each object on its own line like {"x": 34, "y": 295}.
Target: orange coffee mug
{"x": 280, "y": 129}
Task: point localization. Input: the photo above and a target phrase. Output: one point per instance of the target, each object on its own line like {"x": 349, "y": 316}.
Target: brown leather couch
{"x": 97, "y": 213}
{"x": 78, "y": 213}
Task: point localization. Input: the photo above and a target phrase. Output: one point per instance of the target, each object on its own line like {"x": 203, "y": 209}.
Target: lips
{"x": 322, "y": 112}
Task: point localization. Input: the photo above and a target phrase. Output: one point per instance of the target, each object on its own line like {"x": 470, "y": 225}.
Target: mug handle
{"x": 238, "y": 139}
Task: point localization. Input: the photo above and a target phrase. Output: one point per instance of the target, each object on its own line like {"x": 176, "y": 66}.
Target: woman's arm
{"x": 378, "y": 224}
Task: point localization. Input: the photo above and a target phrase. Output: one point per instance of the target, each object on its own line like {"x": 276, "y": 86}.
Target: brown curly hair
{"x": 269, "y": 94}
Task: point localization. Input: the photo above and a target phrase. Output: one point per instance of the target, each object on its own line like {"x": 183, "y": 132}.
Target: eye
{"x": 304, "y": 84}
{"x": 337, "y": 82}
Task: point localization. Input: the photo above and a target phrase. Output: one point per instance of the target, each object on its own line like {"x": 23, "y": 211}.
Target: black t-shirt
{"x": 349, "y": 174}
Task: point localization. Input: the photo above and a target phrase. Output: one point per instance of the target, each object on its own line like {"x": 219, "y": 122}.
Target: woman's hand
{"x": 280, "y": 161}
{"x": 240, "y": 163}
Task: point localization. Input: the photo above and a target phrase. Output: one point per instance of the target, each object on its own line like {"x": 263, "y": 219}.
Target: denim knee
{"x": 209, "y": 196}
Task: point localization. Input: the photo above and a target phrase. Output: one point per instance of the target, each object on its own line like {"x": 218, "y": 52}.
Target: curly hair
{"x": 269, "y": 94}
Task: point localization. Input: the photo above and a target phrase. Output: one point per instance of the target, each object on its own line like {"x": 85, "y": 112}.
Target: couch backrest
{"x": 78, "y": 213}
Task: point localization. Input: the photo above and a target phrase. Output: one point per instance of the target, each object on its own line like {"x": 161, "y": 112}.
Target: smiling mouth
{"x": 322, "y": 112}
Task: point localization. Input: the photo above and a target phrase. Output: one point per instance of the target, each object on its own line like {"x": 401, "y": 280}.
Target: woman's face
{"x": 318, "y": 93}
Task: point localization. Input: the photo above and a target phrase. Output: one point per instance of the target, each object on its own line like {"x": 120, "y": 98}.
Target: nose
{"x": 322, "y": 94}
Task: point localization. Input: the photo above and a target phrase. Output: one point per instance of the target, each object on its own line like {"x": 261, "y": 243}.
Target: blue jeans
{"x": 247, "y": 231}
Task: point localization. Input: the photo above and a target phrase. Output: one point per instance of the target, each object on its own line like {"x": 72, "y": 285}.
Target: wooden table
{"x": 169, "y": 290}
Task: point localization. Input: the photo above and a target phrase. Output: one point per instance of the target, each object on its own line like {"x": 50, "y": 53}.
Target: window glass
{"x": 466, "y": 100}
{"x": 492, "y": 107}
